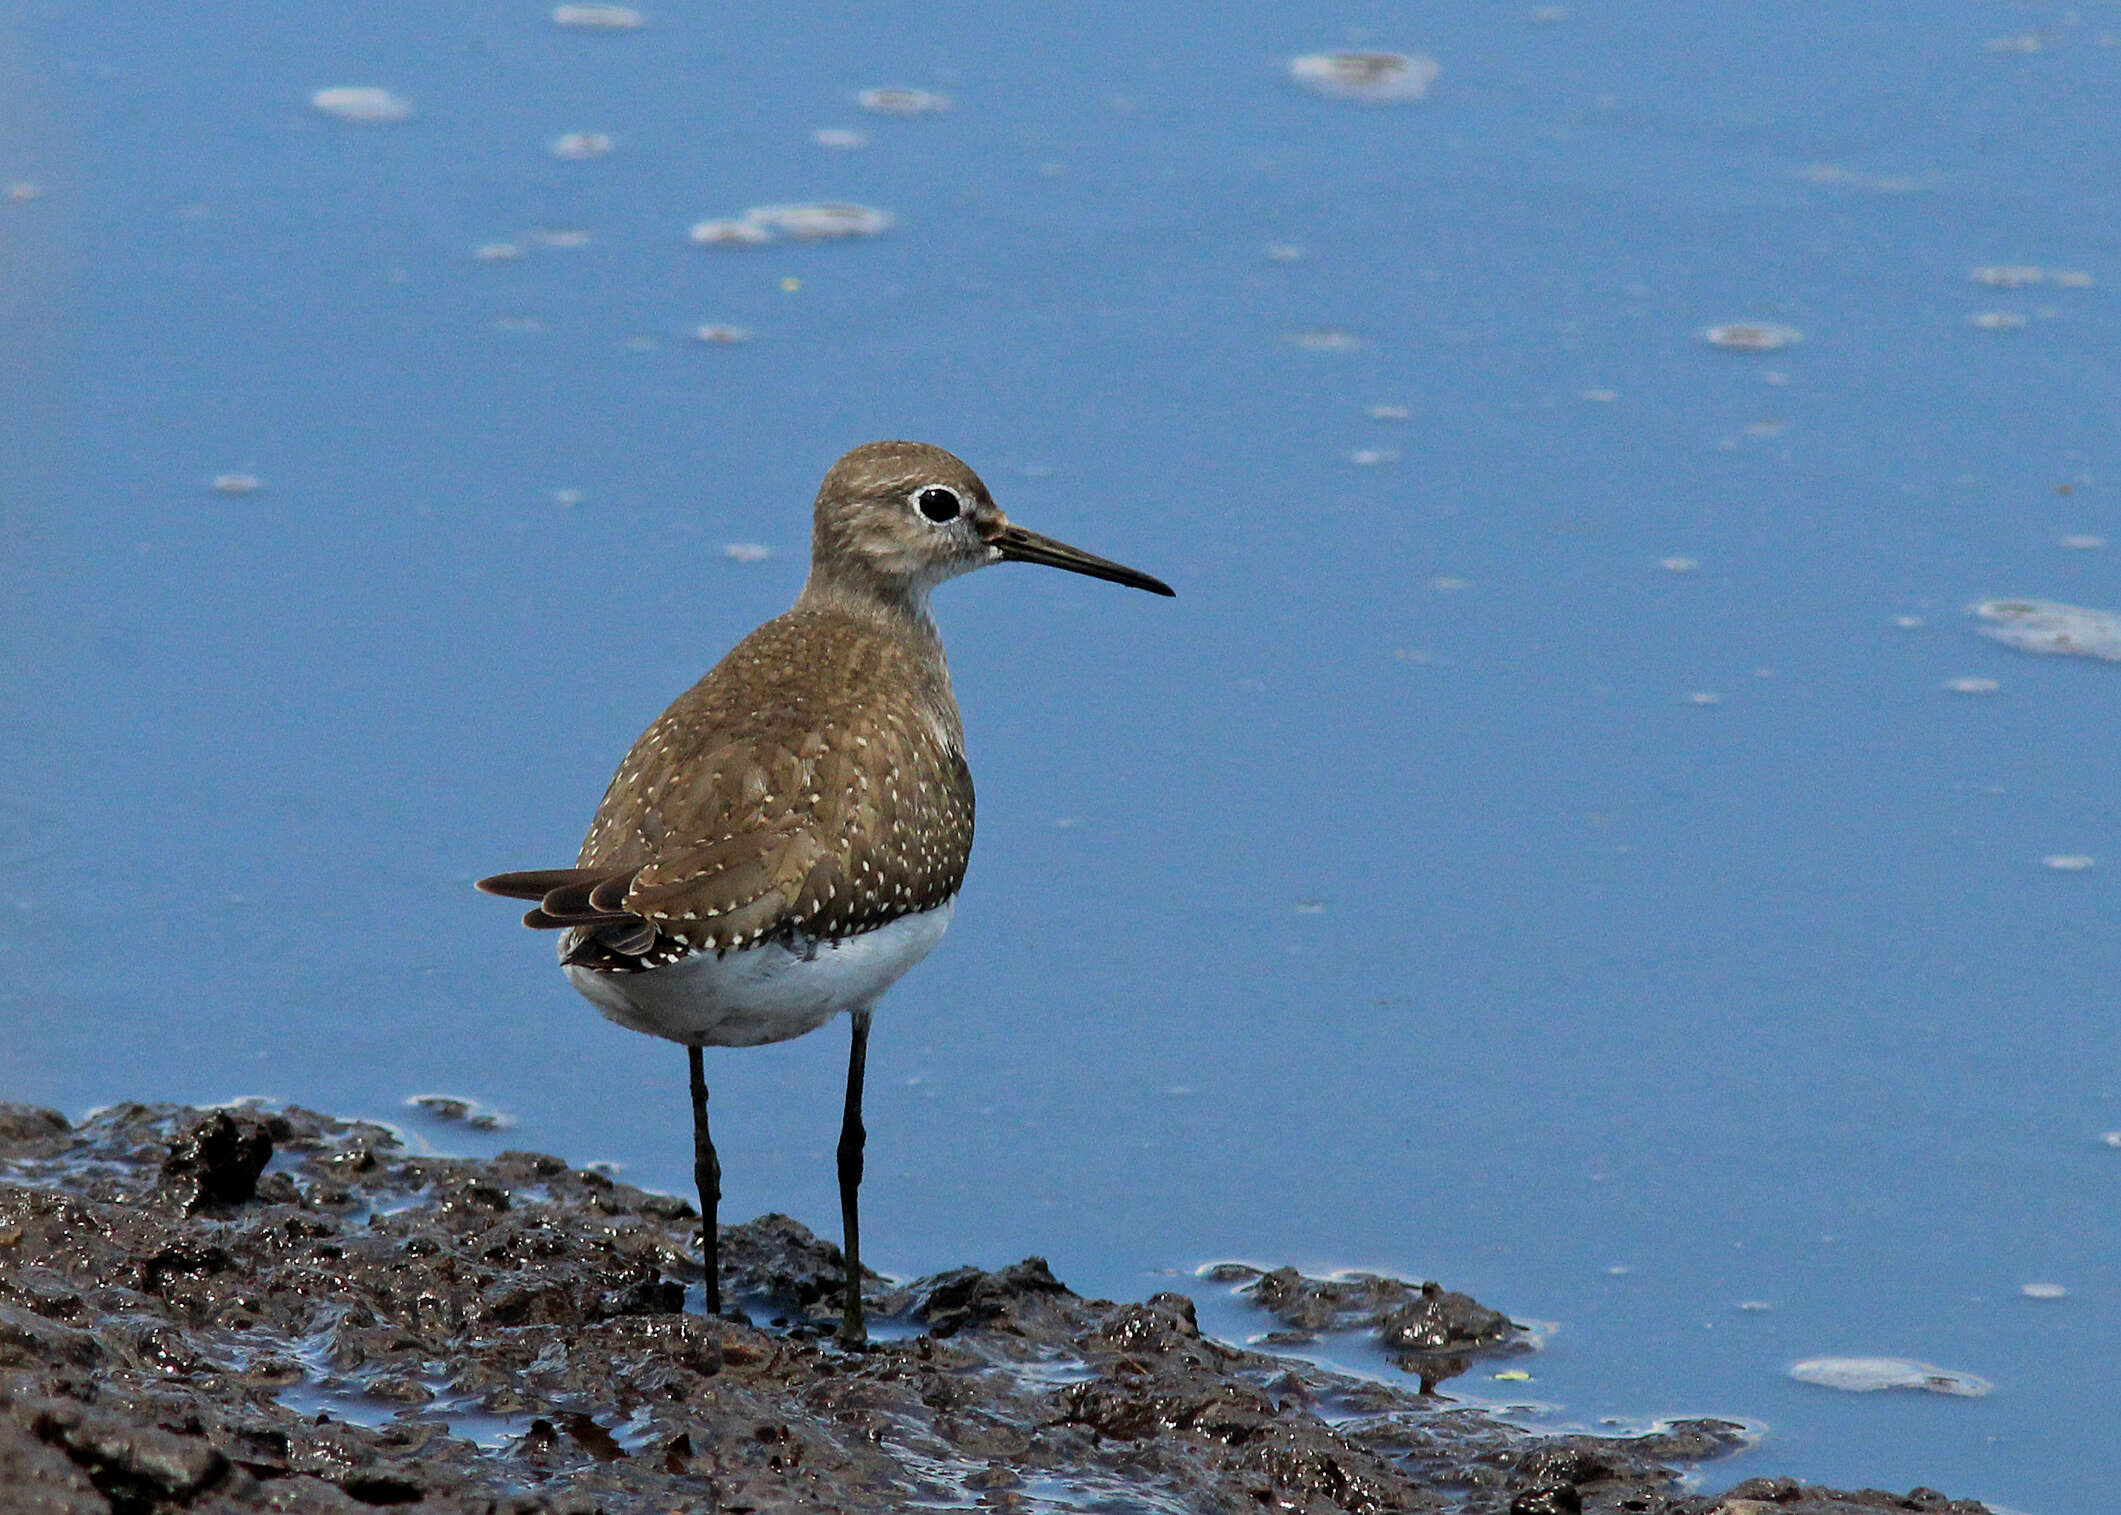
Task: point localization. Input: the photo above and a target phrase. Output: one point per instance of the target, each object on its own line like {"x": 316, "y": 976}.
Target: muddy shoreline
{"x": 251, "y": 1310}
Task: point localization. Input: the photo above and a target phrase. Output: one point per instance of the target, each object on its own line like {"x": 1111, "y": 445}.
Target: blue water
{"x": 1439, "y": 884}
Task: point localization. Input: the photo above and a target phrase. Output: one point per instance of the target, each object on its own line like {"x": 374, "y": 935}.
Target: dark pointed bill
{"x": 1017, "y": 545}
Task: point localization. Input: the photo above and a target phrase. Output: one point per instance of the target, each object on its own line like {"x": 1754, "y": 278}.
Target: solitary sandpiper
{"x": 789, "y": 837}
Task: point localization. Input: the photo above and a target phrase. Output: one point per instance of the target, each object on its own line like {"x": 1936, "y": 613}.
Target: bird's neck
{"x": 901, "y": 618}
{"x": 900, "y": 609}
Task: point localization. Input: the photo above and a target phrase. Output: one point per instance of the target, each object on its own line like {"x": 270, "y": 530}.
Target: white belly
{"x": 765, "y": 993}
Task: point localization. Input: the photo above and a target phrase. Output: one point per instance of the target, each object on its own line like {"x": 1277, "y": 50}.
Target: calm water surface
{"x": 1538, "y": 849}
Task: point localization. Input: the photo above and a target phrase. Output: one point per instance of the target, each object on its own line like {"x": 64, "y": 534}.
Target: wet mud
{"x": 251, "y": 1310}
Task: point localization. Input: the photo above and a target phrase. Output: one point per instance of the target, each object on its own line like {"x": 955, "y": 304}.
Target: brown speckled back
{"x": 815, "y": 780}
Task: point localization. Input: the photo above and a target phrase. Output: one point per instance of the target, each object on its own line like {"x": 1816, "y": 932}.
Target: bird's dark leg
{"x": 707, "y": 1174}
{"x": 852, "y": 1331}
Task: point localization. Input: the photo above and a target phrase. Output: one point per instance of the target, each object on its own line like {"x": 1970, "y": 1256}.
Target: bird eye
{"x": 938, "y": 504}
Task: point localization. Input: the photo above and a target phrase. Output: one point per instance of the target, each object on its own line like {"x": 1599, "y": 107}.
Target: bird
{"x": 790, "y": 835}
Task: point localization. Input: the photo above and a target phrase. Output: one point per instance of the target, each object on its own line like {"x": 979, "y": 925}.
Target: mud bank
{"x": 250, "y": 1310}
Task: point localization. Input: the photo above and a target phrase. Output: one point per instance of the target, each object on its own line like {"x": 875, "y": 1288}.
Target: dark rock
{"x": 1786, "y": 1496}
{"x": 651, "y": 1295}
{"x": 1434, "y": 1333}
{"x": 1303, "y": 1304}
{"x": 1566, "y": 1462}
{"x": 37, "y": 1475}
{"x": 1442, "y": 1320}
{"x": 130, "y": 1464}
{"x": 1153, "y": 1325}
{"x": 1693, "y": 1440}
{"x": 777, "y": 1262}
{"x": 216, "y": 1160}
{"x": 31, "y": 1131}
{"x": 1548, "y": 1499}
{"x": 28, "y": 1340}
{"x": 966, "y": 1297}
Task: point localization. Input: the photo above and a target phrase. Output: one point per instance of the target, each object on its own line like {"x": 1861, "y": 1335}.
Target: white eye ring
{"x": 937, "y": 504}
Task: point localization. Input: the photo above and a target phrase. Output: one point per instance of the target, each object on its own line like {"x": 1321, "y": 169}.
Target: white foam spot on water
{"x": 839, "y": 138}
{"x": 576, "y": 146}
{"x": 1996, "y": 320}
{"x": 2047, "y": 627}
{"x": 1679, "y": 564}
{"x": 2043, "y": 1291}
{"x": 1890, "y": 184}
{"x": 729, "y": 233}
{"x": 1972, "y": 686}
{"x": 821, "y": 221}
{"x": 722, "y": 336}
{"x": 903, "y": 102}
{"x": 1326, "y": 339}
{"x": 1863, "y": 1375}
{"x": 607, "y": 18}
{"x": 366, "y": 103}
{"x": 496, "y": 252}
{"x": 238, "y": 483}
{"x": 2009, "y": 275}
{"x": 2069, "y": 862}
{"x": 1752, "y": 336}
{"x": 1374, "y": 78}
{"x": 747, "y": 552}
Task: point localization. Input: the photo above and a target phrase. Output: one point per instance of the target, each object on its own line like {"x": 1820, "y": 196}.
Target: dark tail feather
{"x": 593, "y": 894}
{"x": 542, "y": 919}
{"x": 591, "y": 900}
{"x": 567, "y": 896}
{"x": 536, "y": 883}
